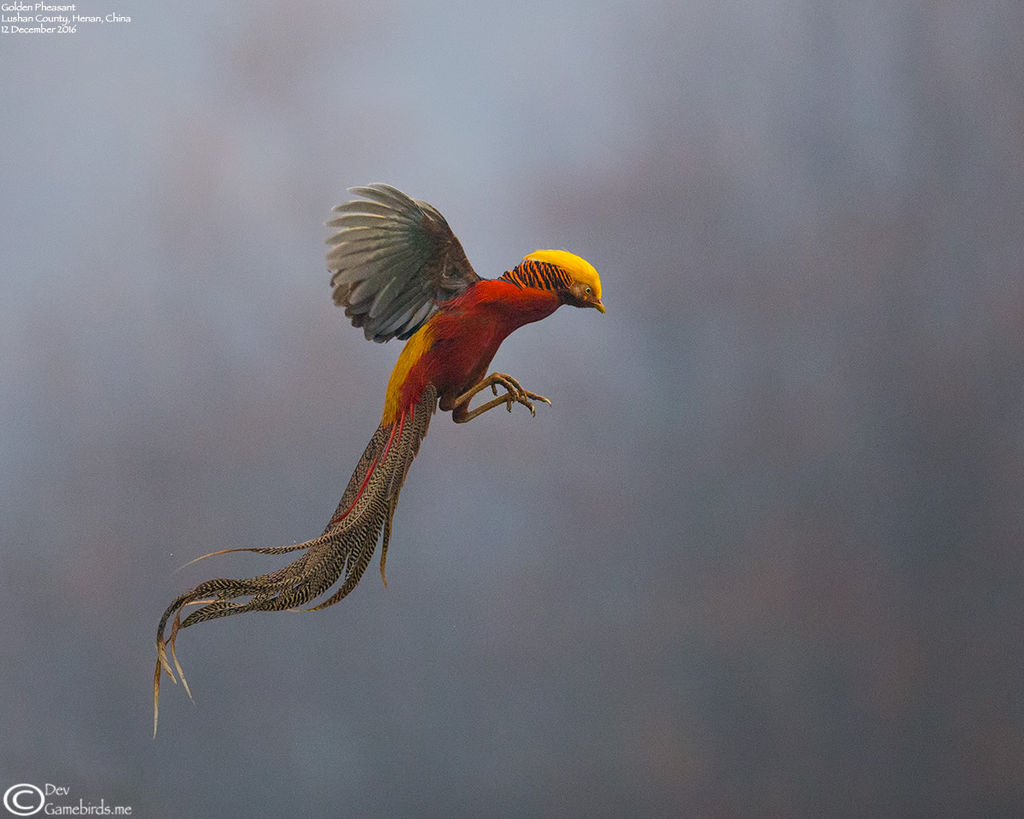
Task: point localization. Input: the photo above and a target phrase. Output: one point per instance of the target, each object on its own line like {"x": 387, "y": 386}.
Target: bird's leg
{"x": 514, "y": 394}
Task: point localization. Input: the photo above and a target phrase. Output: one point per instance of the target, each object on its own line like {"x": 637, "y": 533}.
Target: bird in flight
{"x": 399, "y": 272}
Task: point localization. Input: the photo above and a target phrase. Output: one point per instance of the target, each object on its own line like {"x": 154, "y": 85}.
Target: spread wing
{"x": 394, "y": 259}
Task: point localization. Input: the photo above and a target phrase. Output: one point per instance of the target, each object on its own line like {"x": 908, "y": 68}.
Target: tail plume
{"x": 341, "y": 553}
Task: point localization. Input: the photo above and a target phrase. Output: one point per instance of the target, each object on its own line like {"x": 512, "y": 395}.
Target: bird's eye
{"x": 587, "y": 291}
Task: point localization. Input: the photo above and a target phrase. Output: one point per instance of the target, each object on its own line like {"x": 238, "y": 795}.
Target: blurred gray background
{"x": 763, "y": 555}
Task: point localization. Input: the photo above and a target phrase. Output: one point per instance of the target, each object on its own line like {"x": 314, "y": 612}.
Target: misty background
{"x": 762, "y": 556}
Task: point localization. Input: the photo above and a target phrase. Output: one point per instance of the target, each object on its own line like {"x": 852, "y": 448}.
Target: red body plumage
{"x": 454, "y": 348}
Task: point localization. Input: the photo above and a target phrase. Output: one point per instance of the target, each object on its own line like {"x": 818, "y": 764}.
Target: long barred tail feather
{"x": 342, "y": 552}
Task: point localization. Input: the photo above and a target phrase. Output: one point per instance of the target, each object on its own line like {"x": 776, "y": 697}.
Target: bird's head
{"x": 585, "y": 287}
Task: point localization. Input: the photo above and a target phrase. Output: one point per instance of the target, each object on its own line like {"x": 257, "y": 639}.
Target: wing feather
{"x": 393, "y": 259}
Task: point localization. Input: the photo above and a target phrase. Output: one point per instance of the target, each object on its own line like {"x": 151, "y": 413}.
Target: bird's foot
{"x": 515, "y": 393}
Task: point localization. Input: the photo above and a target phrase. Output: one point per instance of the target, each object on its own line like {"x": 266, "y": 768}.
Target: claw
{"x": 514, "y": 394}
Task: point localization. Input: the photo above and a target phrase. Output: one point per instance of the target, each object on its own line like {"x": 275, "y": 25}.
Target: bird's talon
{"x": 514, "y": 394}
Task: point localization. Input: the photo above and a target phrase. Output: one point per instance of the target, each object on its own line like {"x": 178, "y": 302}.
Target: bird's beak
{"x": 597, "y": 305}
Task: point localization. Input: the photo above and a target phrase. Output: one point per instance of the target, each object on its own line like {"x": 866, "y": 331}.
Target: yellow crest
{"x": 576, "y": 266}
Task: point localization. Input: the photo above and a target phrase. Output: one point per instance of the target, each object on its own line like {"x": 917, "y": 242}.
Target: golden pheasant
{"x": 399, "y": 272}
